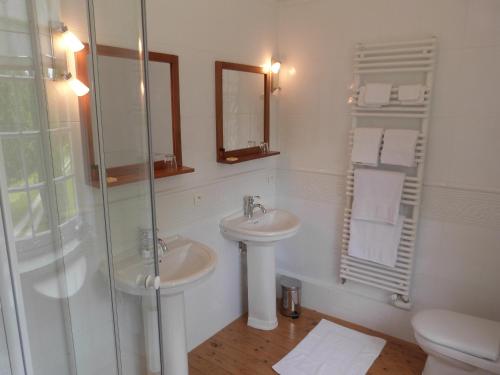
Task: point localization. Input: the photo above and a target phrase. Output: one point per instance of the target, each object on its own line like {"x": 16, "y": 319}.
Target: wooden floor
{"x": 239, "y": 349}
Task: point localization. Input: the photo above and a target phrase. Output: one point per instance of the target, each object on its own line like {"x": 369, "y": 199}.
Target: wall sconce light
{"x": 275, "y": 67}
{"x": 62, "y": 41}
{"x": 76, "y": 85}
{"x": 275, "y": 76}
{"x": 69, "y": 39}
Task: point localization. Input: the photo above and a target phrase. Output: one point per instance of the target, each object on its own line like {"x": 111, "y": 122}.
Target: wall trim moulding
{"x": 444, "y": 203}
{"x": 427, "y": 184}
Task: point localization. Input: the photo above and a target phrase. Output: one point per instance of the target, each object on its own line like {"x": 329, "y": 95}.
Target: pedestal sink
{"x": 185, "y": 264}
{"x": 260, "y": 234}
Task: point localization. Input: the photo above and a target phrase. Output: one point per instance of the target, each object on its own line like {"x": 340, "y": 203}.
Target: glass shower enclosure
{"x": 78, "y": 251}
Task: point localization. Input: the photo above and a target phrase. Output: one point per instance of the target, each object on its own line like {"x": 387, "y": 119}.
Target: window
{"x": 25, "y": 160}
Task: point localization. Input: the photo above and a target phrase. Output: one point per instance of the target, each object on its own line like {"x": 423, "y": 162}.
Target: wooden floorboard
{"x": 239, "y": 349}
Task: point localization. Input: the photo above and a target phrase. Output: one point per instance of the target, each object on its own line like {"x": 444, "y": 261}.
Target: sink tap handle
{"x": 162, "y": 246}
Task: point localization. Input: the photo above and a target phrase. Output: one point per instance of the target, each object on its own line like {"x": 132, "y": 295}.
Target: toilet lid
{"x": 465, "y": 333}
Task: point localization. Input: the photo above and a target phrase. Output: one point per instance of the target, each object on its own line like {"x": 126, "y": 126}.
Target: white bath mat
{"x": 330, "y": 349}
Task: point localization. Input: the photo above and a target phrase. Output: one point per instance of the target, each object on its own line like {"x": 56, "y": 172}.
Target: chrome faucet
{"x": 162, "y": 247}
{"x": 249, "y": 205}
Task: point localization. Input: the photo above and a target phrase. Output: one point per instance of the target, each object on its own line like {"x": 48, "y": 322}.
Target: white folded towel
{"x": 399, "y": 147}
{"x": 375, "y": 94}
{"x": 377, "y": 195}
{"x": 376, "y": 242}
{"x": 411, "y": 94}
{"x": 361, "y": 99}
{"x": 366, "y": 145}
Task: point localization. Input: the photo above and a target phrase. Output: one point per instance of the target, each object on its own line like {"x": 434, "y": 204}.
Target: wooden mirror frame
{"x": 135, "y": 172}
{"x": 242, "y": 154}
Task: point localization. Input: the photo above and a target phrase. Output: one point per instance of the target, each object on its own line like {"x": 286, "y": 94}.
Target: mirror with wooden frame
{"x": 242, "y": 102}
{"x": 120, "y": 95}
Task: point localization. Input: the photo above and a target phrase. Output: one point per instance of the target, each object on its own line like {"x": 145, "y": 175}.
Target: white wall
{"x": 458, "y": 244}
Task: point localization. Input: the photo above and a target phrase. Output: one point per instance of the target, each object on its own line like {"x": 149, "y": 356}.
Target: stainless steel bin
{"x": 290, "y": 297}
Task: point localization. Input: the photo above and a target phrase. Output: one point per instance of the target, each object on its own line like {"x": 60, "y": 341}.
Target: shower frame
{"x": 11, "y": 294}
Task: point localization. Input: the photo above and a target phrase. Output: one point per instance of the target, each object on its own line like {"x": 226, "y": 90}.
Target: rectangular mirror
{"x": 242, "y": 112}
{"x": 117, "y": 105}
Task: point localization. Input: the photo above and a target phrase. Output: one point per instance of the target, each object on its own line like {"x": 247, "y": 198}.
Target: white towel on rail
{"x": 411, "y": 94}
{"x": 361, "y": 99}
{"x": 366, "y": 145}
{"x": 377, "y": 195}
{"x": 376, "y": 242}
{"x": 375, "y": 94}
{"x": 399, "y": 147}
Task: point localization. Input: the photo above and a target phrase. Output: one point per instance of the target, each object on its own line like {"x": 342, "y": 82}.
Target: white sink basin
{"x": 274, "y": 225}
{"x": 185, "y": 264}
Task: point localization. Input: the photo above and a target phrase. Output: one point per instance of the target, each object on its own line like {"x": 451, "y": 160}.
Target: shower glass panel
{"x": 25, "y": 185}
{"x": 66, "y": 234}
{"x": 122, "y": 100}
{"x": 4, "y": 350}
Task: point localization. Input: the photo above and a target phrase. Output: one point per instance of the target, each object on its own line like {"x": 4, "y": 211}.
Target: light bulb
{"x": 71, "y": 41}
{"x": 275, "y": 67}
{"x": 76, "y": 85}
{"x": 266, "y": 67}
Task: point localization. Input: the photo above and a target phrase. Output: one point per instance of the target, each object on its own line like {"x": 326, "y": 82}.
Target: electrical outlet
{"x": 270, "y": 179}
{"x": 197, "y": 198}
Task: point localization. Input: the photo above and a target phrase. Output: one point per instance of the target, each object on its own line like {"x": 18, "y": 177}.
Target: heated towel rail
{"x": 405, "y": 62}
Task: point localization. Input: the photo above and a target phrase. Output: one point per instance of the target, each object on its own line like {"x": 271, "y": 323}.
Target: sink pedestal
{"x": 150, "y": 320}
{"x": 261, "y": 287}
{"x": 175, "y": 353}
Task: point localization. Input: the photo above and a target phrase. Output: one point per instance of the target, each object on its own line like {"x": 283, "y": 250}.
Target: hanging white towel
{"x": 331, "y": 349}
{"x": 399, "y": 147}
{"x": 411, "y": 94}
{"x": 375, "y": 94}
{"x": 377, "y": 242}
{"x": 377, "y": 195}
{"x": 366, "y": 145}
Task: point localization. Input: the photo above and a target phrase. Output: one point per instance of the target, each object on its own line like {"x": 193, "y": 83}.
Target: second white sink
{"x": 272, "y": 226}
{"x": 260, "y": 233}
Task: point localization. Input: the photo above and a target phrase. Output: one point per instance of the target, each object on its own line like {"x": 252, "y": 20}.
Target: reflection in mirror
{"x": 119, "y": 99}
{"x": 242, "y": 112}
{"x": 243, "y": 105}
{"x": 161, "y": 109}
{"x": 121, "y": 119}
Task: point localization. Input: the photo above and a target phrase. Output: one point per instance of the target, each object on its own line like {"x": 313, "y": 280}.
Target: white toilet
{"x": 457, "y": 344}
